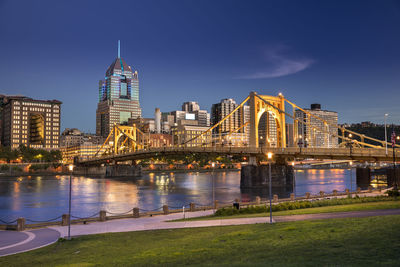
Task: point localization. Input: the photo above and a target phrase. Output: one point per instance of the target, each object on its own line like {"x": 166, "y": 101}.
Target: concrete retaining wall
{"x": 110, "y": 171}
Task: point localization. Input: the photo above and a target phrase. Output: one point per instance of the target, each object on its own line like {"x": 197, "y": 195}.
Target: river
{"x": 45, "y": 197}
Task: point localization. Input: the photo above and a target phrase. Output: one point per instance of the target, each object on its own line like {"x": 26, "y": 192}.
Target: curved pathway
{"x": 12, "y": 242}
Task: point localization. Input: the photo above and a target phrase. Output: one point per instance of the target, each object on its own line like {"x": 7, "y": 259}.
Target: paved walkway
{"x": 12, "y": 242}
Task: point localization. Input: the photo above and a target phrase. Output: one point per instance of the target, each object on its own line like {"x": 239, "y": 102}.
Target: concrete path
{"x": 12, "y": 242}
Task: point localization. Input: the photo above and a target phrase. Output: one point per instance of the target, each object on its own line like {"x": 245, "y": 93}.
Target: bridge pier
{"x": 252, "y": 176}
{"x": 363, "y": 177}
{"x": 393, "y": 178}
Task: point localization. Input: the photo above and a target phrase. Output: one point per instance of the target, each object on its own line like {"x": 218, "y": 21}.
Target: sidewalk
{"x": 12, "y": 242}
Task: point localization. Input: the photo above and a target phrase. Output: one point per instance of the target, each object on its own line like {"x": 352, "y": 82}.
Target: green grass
{"x": 327, "y": 209}
{"x": 351, "y": 241}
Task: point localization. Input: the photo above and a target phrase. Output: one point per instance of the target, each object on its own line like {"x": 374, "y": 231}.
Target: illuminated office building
{"x": 314, "y": 133}
{"x": 29, "y": 122}
{"x": 118, "y": 97}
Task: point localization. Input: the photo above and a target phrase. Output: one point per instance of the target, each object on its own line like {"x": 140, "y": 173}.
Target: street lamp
{"x": 269, "y": 156}
{"x": 71, "y": 169}
{"x": 386, "y": 134}
{"x": 300, "y": 142}
{"x": 294, "y": 179}
{"x": 351, "y": 176}
{"x": 213, "y": 190}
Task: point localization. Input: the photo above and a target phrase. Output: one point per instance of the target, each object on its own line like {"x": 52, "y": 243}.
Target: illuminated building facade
{"x": 183, "y": 133}
{"x": 220, "y": 111}
{"x": 310, "y": 133}
{"x": 29, "y": 122}
{"x": 118, "y": 97}
{"x": 160, "y": 140}
{"x": 83, "y": 151}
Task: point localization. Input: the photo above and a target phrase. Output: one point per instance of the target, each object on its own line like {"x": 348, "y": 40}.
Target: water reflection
{"x": 44, "y": 197}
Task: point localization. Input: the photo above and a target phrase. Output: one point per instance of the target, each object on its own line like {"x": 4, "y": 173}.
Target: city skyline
{"x": 207, "y": 55}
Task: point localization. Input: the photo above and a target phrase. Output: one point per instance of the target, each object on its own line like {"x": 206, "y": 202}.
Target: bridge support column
{"x": 393, "y": 178}
{"x": 252, "y": 176}
{"x": 363, "y": 176}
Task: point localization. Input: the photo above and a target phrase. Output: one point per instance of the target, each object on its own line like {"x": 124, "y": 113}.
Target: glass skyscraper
{"x": 118, "y": 96}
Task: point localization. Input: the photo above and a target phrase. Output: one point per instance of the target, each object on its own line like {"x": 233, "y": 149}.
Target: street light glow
{"x": 269, "y": 155}
{"x": 71, "y": 167}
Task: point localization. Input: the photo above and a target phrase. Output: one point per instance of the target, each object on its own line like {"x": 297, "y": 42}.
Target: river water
{"x": 46, "y": 197}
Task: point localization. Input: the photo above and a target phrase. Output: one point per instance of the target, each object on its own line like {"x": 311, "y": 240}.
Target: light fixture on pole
{"x": 71, "y": 169}
{"x": 213, "y": 190}
{"x": 269, "y": 156}
{"x": 386, "y": 134}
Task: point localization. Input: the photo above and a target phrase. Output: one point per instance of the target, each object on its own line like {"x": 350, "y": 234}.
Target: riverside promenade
{"x": 12, "y": 242}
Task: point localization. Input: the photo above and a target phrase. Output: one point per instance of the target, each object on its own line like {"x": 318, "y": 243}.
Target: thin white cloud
{"x": 279, "y": 64}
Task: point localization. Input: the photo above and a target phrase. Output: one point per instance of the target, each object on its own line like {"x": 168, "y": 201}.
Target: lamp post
{"x": 351, "y": 144}
{"x": 394, "y": 161}
{"x": 386, "y": 134}
{"x": 269, "y": 156}
{"x": 351, "y": 176}
{"x": 294, "y": 179}
{"x": 71, "y": 169}
{"x": 213, "y": 190}
{"x": 300, "y": 142}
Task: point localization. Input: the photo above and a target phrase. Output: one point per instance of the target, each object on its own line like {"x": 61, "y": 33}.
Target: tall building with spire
{"x": 118, "y": 96}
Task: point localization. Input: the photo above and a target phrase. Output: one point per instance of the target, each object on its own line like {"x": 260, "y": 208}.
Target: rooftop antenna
{"x": 119, "y": 49}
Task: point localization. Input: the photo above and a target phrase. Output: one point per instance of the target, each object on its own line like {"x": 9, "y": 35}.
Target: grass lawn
{"x": 327, "y": 209}
{"x": 351, "y": 241}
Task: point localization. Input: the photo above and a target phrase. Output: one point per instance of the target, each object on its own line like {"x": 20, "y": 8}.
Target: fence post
{"x": 292, "y": 198}
{"x": 165, "y": 209}
{"x": 136, "y": 213}
{"x": 275, "y": 198}
{"x": 258, "y": 200}
{"x": 103, "y": 215}
{"x": 21, "y": 224}
{"x": 358, "y": 189}
{"x": 192, "y": 206}
{"x": 64, "y": 219}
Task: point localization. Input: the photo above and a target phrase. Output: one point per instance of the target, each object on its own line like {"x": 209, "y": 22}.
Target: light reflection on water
{"x": 40, "y": 198}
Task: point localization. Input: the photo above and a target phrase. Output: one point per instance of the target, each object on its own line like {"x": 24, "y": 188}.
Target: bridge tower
{"x": 273, "y": 105}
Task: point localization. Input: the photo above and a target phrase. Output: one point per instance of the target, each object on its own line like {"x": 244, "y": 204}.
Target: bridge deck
{"x": 364, "y": 154}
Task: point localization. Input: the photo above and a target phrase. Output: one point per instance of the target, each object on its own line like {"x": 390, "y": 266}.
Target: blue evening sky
{"x": 342, "y": 54}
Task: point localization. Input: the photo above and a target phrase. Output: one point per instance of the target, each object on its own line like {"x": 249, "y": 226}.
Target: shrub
{"x": 229, "y": 211}
{"x": 393, "y": 193}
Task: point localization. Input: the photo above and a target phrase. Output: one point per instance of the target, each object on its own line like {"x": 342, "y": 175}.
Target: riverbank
{"x": 342, "y": 241}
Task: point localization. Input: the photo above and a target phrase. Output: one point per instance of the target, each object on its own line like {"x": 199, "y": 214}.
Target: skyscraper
{"x": 118, "y": 96}
{"x": 220, "y": 111}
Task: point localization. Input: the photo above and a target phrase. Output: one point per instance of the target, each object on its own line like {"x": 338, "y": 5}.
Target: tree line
{"x": 28, "y": 154}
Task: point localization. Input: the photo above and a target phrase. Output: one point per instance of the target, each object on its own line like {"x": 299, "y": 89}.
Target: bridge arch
{"x": 271, "y": 109}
